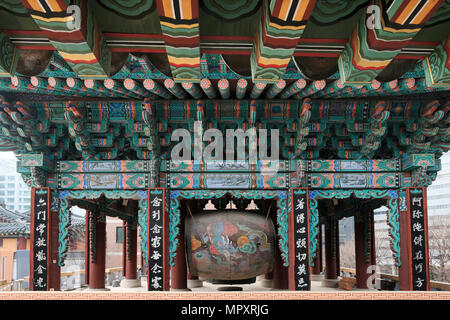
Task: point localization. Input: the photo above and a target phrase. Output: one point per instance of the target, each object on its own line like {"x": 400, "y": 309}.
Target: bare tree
{"x": 439, "y": 248}
{"x": 383, "y": 252}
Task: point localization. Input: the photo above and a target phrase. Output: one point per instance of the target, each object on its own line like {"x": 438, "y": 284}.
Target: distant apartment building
{"x": 14, "y": 193}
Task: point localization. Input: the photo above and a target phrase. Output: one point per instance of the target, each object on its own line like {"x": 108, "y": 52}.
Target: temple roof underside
{"x": 111, "y": 80}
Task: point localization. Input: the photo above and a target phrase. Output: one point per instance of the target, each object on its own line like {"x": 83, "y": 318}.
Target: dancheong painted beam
{"x": 349, "y": 101}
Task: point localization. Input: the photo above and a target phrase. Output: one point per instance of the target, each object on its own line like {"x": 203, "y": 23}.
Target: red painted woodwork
{"x": 97, "y": 269}
{"x": 131, "y": 261}
{"x": 330, "y": 251}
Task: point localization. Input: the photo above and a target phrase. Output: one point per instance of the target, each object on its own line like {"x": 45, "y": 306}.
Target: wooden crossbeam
{"x": 279, "y": 30}
{"x": 181, "y": 34}
{"x": 74, "y": 34}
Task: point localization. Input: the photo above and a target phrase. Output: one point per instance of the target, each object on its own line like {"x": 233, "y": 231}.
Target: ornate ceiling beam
{"x": 77, "y": 37}
{"x": 437, "y": 65}
{"x": 181, "y": 34}
{"x": 75, "y": 115}
{"x": 370, "y": 49}
{"x": 281, "y": 26}
{"x": 378, "y": 128}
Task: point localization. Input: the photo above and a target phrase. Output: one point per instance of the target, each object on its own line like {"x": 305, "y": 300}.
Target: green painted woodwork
{"x": 437, "y": 66}
{"x": 8, "y": 57}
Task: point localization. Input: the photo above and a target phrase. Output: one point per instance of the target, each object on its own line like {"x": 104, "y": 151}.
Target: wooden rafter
{"x": 371, "y": 48}
{"x": 77, "y": 37}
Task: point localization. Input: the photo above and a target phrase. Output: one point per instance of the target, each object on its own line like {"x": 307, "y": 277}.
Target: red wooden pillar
{"x": 54, "y": 280}
{"x": 338, "y": 247}
{"x": 131, "y": 263}
{"x": 363, "y": 246}
{"x": 178, "y": 273}
{"x": 317, "y": 269}
{"x": 405, "y": 272}
{"x": 22, "y": 244}
{"x": 330, "y": 250}
{"x": 280, "y": 274}
{"x": 97, "y": 267}
{"x": 130, "y": 254}
{"x": 124, "y": 248}
{"x": 87, "y": 249}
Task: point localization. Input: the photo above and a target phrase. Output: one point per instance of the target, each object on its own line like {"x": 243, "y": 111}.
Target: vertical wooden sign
{"x": 299, "y": 264}
{"x": 158, "y": 241}
{"x": 418, "y": 224}
{"x": 40, "y": 235}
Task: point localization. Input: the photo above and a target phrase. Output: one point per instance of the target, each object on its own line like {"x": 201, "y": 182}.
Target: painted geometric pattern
{"x": 370, "y": 49}
{"x": 180, "y": 29}
{"x": 354, "y": 166}
{"x": 228, "y": 166}
{"x": 281, "y": 26}
{"x": 103, "y": 181}
{"x": 80, "y": 43}
{"x": 227, "y": 181}
{"x": 104, "y": 166}
{"x": 353, "y": 180}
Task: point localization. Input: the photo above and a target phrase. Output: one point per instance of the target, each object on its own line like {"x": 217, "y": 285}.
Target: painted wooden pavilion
{"x": 91, "y": 92}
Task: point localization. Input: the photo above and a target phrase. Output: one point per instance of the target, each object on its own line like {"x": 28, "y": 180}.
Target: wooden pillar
{"x": 55, "y": 270}
{"x": 22, "y": 244}
{"x": 363, "y": 254}
{"x": 330, "y": 250}
{"x": 131, "y": 252}
{"x": 178, "y": 274}
{"x": 280, "y": 272}
{"x": 337, "y": 250}
{"x": 87, "y": 249}
{"x": 317, "y": 269}
{"x": 97, "y": 267}
{"x": 124, "y": 248}
{"x": 414, "y": 269}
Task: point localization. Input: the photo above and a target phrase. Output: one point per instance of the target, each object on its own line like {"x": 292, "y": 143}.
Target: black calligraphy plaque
{"x": 419, "y": 238}
{"x": 158, "y": 275}
{"x": 299, "y": 264}
{"x": 40, "y": 221}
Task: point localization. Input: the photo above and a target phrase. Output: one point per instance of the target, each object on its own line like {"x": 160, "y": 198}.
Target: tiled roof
{"x": 11, "y": 216}
{"x": 14, "y": 228}
{"x": 19, "y": 223}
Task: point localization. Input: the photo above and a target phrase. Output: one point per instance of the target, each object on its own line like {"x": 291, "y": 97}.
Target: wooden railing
{"x": 443, "y": 286}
